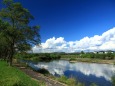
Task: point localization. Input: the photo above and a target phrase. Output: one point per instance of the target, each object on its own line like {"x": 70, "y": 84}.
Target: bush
{"x": 43, "y": 71}
{"x": 72, "y": 59}
{"x": 113, "y": 80}
{"x": 69, "y": 81}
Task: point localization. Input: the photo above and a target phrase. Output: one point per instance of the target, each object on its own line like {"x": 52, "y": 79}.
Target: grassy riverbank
{"x": 11, "y": 76}
{"x": 69, "y": 81}
{"x": 90, "y": 60}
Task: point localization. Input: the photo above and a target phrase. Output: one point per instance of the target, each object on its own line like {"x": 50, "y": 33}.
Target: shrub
{"x": 113, "y": 80}
{"x": 43, "y": 71}
{"x": 69, "y": 81}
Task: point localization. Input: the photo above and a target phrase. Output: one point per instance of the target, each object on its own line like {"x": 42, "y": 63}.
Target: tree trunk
{"x": 11, "y": 55}
{"x": 10, "y": 61}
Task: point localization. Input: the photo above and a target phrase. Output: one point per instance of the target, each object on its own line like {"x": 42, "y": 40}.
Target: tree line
{"x": 38, "y": 56}
{"x": 16, "y": 34}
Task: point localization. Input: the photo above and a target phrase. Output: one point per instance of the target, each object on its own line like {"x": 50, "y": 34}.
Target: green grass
{"x": 11, "y": 76}
{"x": 69, "y": 81}
{"x": 113, "y": 80}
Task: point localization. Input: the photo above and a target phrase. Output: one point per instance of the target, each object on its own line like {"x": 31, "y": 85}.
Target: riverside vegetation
{"x": 83, "y": 57}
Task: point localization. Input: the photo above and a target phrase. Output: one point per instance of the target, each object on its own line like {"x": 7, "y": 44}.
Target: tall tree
{"x": 3, "y": 40}
{"x": 19, "y": 34}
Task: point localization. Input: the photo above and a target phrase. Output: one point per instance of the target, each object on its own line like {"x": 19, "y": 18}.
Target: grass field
{"x": 11, "y": 76}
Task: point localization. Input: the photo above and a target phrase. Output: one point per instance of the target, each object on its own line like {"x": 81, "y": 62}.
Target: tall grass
{"x": 11, "y": 76}
{"x": 69, "y": 81}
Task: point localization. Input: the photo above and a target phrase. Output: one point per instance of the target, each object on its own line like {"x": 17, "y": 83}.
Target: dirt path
{"x": 38, "y": 76}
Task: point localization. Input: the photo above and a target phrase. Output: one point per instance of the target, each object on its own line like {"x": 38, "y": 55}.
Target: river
{"x": 86, "y": 73}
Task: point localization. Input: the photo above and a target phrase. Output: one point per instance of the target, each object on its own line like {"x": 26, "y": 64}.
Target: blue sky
{"x": 71, "y": 20}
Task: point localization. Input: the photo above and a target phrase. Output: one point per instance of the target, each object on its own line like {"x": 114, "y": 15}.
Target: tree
{"x": 3, "y": 41}
{"x": 82, "y": 52}
{"x": 19, "y": 35}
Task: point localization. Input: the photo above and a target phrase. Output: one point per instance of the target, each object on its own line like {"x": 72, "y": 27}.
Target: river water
{"x": 86, "y": 73}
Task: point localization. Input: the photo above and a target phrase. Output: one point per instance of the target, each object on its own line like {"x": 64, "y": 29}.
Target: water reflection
{"x": 84, "y": 71}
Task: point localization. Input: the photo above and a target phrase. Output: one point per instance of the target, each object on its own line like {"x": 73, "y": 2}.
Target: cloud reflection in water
{"x": 98, "y": 70}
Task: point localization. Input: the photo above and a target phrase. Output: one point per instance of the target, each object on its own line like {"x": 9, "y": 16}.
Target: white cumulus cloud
{"x": 106, "y": 41}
